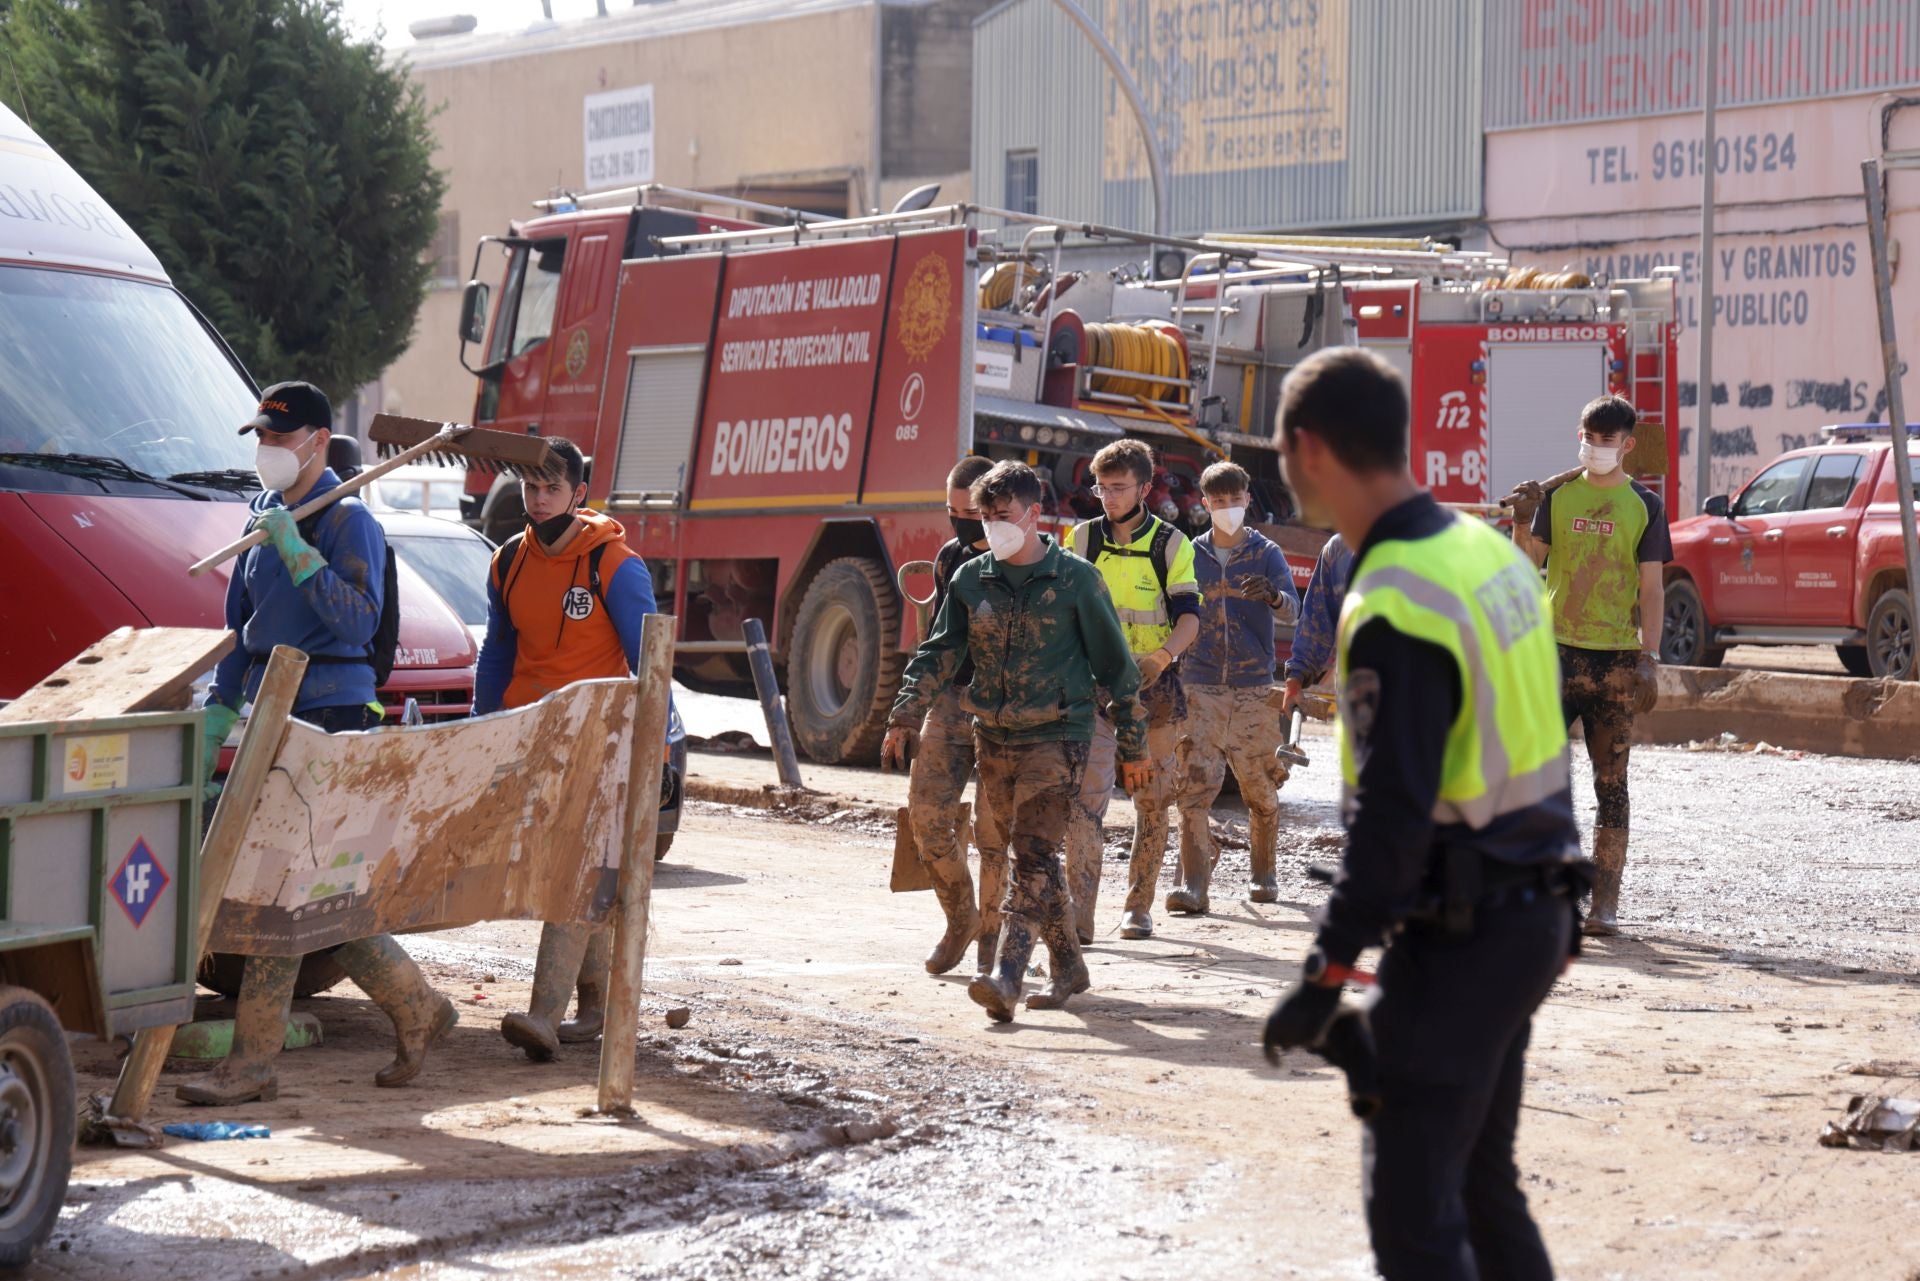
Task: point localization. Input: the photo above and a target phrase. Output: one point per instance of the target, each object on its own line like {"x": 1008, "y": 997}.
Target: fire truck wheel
{"x": 1890, "y": 635}
{"x": 221, "y": 971}
{"x": 1684, "y": 629}
{"x": 843, "y": 667}
{"x": 36, "y": 1123}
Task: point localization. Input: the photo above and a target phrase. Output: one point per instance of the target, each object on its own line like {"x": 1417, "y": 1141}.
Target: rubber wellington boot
{"x": 993, "y": 894}
{"x": 998, "y": 991}
{"x": 555, "y": 969}
{"x": 381, "y": 968}
{"x": 1263, "y": 834}
{"x": 259, "y": 1030}
{"x": 1196, "y": 872}
{"x": 1066, "y": 968}
{"x": 954, "y": 888}
{"x": 1143, "y": 871}
{"x": 591, "y": 1013}
{"x": 1084, "y": 853}
{"x": 1610, "y": 860}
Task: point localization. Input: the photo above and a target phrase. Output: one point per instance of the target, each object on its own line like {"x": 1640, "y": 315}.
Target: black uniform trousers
{"x": 1443, "y": 1196}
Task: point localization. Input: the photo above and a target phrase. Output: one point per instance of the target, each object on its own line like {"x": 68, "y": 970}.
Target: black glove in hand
{"x": 1300, "y": 1019}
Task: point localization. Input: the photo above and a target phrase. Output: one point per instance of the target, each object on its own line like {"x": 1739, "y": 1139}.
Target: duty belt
{"x": 1468, "y": 880}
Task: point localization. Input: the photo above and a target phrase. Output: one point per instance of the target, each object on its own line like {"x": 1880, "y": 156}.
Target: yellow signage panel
{"x": 1231, "y": 85}
{"x": 96, "y": 763}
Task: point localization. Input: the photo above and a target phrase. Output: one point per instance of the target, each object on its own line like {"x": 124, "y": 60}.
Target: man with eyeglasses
{"x": 1147, "y": 566}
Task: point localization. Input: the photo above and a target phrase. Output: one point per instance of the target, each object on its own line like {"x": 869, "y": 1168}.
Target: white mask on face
{"x": 278, "y": 466}
{"x": 1229, "y": 519}
{"x": 1599, "y": 459}
{"x": 1005, "y": 538}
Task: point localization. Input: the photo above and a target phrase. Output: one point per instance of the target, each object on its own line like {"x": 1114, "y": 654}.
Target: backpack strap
{"x": 593, "y": 573}
{"x": 505, "y": 559}
{"x": 1157, "y": 552}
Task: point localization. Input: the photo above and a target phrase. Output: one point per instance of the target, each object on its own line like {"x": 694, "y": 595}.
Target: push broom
{"x": 406, "y": 440}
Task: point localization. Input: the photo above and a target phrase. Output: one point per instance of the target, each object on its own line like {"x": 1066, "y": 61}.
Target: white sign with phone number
{"x": 619, "y": 137}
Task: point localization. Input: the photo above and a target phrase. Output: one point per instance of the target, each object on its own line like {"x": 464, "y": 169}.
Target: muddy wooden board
{"x": 135, "y": 669}
{"x": 518, "y": 815}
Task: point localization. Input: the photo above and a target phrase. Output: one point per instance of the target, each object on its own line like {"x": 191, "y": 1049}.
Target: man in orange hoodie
{"x": 565, "y": 601}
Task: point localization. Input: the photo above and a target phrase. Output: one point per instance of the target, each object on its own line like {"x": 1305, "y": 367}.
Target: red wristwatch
{"x": 1320, "y": 972}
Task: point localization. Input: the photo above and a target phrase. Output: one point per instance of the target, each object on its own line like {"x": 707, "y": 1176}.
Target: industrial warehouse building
{"x": 829, "y": 106}
{"x": 1554, "y": 132}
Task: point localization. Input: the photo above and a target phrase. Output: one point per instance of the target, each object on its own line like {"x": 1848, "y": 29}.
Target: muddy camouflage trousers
{"x": 942, "y": 764}
{"x": 1597, "y": 689}
{"x": 1228, "y": 727}
{"x": 1030, "y": 788}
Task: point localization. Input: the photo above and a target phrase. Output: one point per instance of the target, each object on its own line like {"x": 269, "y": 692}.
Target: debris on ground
{"x": 1881, "y": 1067}
{"x": 99, "y": 1129}
{"x": 732, "y": 740}
{"x": 215, "y": 1131}
{"x": 1727, "y": 742}
{"x": 679, "y": 1016}
{"x": 1875, "y": 1124}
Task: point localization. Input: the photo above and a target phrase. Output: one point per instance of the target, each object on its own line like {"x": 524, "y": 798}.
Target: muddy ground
{"x": 832, "y": 1111}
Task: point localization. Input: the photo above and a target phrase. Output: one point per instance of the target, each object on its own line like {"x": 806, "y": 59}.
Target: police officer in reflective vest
{"x": 1461, "y": 854}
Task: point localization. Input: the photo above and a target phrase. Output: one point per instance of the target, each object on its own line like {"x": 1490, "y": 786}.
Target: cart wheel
{"x": 36, "y": 1123}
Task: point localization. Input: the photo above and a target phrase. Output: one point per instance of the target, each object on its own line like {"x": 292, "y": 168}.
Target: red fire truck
{"x": 772, "y": 411}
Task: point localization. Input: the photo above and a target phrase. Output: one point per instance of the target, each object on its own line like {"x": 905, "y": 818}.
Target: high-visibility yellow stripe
{"x": 782, "y": 500}
{"x": 908, "y": 496}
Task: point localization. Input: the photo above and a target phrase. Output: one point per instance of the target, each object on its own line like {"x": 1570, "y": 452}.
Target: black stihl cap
{"x": 286, "y": 407}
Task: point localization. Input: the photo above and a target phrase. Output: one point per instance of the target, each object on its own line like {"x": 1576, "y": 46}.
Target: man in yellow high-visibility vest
{"x": 1148, "y": 568}
{"x": 1461, "y": 846}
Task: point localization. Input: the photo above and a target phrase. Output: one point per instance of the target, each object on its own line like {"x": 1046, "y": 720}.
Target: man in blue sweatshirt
{"x": 1245, "y": 588}
{"x": 317, "y": 586}
{"x": 1312, "y": 657}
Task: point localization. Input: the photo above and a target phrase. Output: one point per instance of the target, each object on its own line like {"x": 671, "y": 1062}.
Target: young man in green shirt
{"x": 1603, "y": 538}
{"x": 1147, "y": 565}
{"x": 1042, "y": 634}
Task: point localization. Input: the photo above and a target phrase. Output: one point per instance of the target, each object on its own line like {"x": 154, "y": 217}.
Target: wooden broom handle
{"x": 360, "y": 480}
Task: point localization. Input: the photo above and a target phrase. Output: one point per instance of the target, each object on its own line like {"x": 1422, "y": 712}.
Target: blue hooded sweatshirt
{"x": 333, "y": 614}
{"x": 1235, "y": 645}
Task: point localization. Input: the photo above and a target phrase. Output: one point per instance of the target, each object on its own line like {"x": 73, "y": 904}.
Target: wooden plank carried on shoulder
{"x": 135, "y": 669}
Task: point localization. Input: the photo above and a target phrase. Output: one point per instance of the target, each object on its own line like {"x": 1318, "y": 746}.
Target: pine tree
{"x": 280, "y": 169}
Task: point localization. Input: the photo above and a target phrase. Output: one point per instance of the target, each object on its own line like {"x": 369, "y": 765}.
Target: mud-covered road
{"x": 832, "y": 1111}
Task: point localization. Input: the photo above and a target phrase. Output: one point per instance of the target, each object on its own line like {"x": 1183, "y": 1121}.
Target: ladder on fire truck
{"x": 1647, "y": 379}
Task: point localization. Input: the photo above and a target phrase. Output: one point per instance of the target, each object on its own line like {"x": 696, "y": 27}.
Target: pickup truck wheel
{"x": 1890, "y": 635}
{"x": 36, "y": 1123}
{"x": 220, "y": 972}
{"x": 843, "y": 668}
{"x": 1684, "y": 630}
{"x": 1854, "y": 659}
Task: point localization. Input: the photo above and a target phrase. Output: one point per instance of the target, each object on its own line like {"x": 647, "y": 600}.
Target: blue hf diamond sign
{"x": 139, "y": 882}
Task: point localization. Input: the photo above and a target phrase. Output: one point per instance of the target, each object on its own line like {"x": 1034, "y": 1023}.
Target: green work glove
{"x": 220, "y": 722}
{"x": 302, "y": 559}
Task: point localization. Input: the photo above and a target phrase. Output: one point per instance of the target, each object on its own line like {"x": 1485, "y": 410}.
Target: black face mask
{"x": 552, "y": 531}
{"x": 968, "y": 531}
{"x": 1127, "y": 519}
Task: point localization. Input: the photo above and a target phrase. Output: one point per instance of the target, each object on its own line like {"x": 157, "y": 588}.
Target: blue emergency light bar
{"x": 1855, "y": 433}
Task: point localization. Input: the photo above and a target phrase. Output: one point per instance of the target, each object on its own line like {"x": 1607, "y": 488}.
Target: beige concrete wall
{"x": 780, "y": 97}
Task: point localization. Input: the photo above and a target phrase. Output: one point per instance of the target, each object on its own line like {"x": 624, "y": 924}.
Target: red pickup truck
{"x": 1808, "y": 553}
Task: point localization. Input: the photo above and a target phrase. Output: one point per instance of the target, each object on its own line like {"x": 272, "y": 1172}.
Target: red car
{"x": 1807, "y": 553}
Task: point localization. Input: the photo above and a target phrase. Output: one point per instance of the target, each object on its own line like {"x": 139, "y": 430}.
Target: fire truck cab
{"x": 772, "y": 411}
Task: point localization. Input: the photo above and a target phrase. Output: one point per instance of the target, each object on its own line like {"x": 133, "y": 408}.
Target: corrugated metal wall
{"x": 1558, "y": 61}
{"x": 1408, "y": 109}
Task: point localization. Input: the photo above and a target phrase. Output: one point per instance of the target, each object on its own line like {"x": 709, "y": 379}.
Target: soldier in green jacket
{"x": 1042, "y": 633}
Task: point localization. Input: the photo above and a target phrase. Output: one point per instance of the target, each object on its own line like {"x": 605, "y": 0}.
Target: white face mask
{"x": 1005, "y": 538}
{"x": 278, "y": 466}
{"x": 1599, "y": 459}
{"x": 1229, "y": 519}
